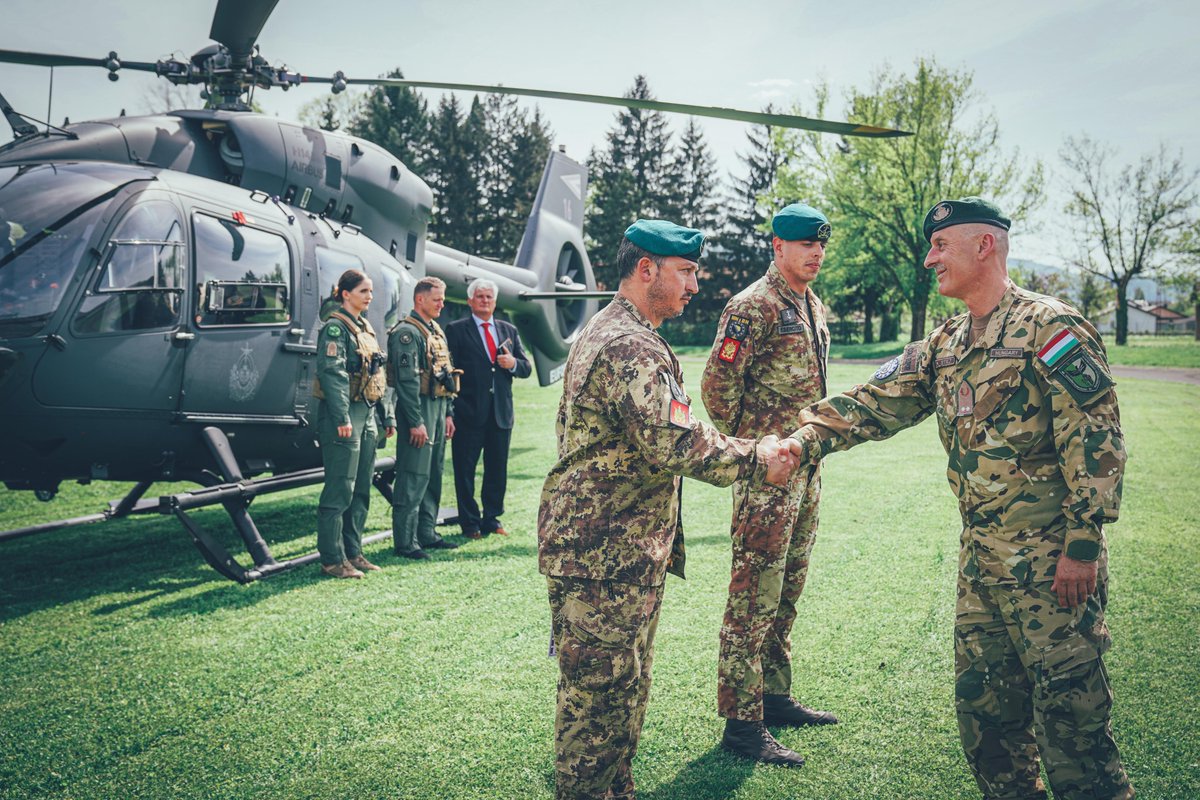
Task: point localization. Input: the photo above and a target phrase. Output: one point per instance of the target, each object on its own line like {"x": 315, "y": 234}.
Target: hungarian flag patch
{"x": 1063, "y": 342}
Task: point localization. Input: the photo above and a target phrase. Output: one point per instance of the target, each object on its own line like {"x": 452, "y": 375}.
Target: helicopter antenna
{"x": 49, "y": 101}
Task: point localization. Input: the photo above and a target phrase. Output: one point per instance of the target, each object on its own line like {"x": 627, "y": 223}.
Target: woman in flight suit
{"x": 350, "y": 381}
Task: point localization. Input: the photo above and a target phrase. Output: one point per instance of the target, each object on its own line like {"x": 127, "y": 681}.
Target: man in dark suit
{"x": 490, "y": 355}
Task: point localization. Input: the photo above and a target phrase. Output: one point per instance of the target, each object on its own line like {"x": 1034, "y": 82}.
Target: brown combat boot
{"x": 752, "y": 740}
{"x": 360, "y": 562}
{"x": 342, "y": 570}
{"x": 780, "y": 709}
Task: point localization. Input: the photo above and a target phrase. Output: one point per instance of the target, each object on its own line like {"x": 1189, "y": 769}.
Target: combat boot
{"x": 360, "y": 563}
{"x": 780, "y": 709}
{"x": 752, "y": 740}
{"x": 342, "y": 570}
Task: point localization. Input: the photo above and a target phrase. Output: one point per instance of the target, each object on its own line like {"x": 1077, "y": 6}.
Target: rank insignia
{"x": 886, "y": 370}
{"x": 729, "y": 350}
{"x": 402, "y": 360}
{"x": 680, "y": 414}
{"x": 737, "y": 327}
{"x": 331, "y": 349}
{"x": 966, "y": 400}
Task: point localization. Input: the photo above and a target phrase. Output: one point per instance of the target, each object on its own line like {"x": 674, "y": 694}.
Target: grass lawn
{"x": 129, "y": 669}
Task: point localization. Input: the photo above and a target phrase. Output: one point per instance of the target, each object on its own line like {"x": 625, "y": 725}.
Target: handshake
{"x": 781, "y": 456}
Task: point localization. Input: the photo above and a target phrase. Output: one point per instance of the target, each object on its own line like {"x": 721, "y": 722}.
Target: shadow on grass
{"x": 716, "y": 774}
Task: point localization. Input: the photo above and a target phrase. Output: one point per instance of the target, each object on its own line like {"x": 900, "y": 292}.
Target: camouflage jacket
{"x": 610, "y": 506}
{"x": 768, "y": 360}
{"x": 1028, "y": 416}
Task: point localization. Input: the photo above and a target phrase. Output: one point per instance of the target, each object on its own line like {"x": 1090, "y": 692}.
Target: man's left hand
{"x": 1074, "y": 581}
{"x": 449, "y": 427}
{"x": 505, "y": 360}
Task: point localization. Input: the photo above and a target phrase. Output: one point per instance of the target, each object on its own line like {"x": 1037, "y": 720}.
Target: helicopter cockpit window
{"x": 243, "y": 275}
{"x": 140, "y": 286}
{"x": 47, "y": 216}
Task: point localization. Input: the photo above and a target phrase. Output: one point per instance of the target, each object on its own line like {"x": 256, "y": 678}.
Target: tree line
{"x": 484, "y": 159}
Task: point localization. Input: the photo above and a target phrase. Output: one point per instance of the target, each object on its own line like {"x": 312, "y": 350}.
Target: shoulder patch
{"x": 406, "y": 337}
{"x": 737, "y": 328}
{"x": 402, "y": 360}
{"x": 910, "y": 359}
{"x": 334, "y": 328}
{"x": 1058, "y": 347}
{"x": 331, "y": 349}
{"x": 729, "y": 350}
{"x": 886, "y": 370}
{"x": 1080, "y": 375}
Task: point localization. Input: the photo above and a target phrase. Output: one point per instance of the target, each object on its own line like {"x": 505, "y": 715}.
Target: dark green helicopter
{"x": 161, "y": 277}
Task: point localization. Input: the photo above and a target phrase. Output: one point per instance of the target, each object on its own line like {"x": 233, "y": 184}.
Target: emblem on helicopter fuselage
{"x": 243, "y": 377}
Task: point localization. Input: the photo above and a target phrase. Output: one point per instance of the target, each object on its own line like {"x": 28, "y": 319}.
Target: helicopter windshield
{"x": 48, "y": 213}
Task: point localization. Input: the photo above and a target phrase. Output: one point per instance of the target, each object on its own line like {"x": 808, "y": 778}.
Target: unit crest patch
{"x": 729, "y": 350}
{"x": 886, "y": 370}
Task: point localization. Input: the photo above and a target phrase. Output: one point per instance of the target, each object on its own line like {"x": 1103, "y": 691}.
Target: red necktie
{"x": 491, "y": 343}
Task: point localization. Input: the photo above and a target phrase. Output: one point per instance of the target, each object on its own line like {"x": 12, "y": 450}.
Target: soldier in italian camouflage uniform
{"x": 767, "y": 363}
{"x": 1028, "y": 415}
{"x": 425, "y": 381}
{"x": 608, "y": 526}
{"x": 349, "y": 385}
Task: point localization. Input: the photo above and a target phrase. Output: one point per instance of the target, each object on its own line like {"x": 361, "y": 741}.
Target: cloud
{"x": 775, "y": 84}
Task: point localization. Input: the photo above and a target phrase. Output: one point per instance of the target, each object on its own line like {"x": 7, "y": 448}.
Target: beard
{"x": 663, "y": 301}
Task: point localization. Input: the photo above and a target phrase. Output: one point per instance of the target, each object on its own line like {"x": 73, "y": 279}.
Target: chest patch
{"x": 1006, "y": 352}
{"x": 966, "y": 400}
{"x": 946, "y": 361}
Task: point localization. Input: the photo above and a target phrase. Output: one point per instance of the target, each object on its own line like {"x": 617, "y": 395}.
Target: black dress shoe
{"x": 414, "y": 554}
{"x": 752, "y": 740}
{"x": 442, "y": 544}
{"x": 780, "y": 709}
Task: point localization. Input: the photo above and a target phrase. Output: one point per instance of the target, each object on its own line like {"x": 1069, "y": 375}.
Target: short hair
{"x": 481, "y": 283}
{"x": 628, "y": 256}
{"x": 351, "y": 279}
{"x": 427, "y": 285}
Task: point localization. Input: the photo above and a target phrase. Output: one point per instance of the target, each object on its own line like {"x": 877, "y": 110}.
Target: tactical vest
{"x": 439, "y": 378}
{"x": 367, "y": 382}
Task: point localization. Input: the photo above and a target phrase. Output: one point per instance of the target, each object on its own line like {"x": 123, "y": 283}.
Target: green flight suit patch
{"x": 1082, "y": 376}
{"x": 334, "y": 329}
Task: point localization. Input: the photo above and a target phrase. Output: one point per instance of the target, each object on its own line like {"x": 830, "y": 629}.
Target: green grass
{"x": 1155, "y": 351}
{"x": 129, "y": 669}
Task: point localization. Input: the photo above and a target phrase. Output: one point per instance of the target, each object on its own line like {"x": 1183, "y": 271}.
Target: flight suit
{"x": 341, "y": 391}
{"x": 417, "y": 351}
{"x": 1028, "y": 416}
{"x": 767, "y": 363}
{"x": 609, "y": 531}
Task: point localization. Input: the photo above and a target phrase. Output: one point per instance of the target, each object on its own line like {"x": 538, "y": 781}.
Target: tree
{"x": 397, "y": 119}
{"x": 454, "y": 169}
{"x": 1126, "y": 222}
{"x": 331, "y": 112}
{"x": 1091, "y": 295}
{"x": 693, "y": 181}
{"x": 1187, "y": 277}
{"x": 630, "y": 179}
{"x": 517, "y": 148}
{"x": 876, "y": 192}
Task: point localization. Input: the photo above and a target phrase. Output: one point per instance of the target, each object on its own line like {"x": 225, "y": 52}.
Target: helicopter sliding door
{"x": 237, "y": 369}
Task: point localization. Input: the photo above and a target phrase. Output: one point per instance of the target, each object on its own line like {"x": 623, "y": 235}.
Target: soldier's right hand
{"x": 778, "y": 457}
{"x": 417, "y": 436}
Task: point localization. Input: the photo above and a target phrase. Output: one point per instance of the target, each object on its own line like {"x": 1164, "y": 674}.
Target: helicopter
{"x": 161, "y": 279}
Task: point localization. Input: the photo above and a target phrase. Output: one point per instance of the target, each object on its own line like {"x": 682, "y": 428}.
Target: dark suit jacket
{"x": 486, "y": 388}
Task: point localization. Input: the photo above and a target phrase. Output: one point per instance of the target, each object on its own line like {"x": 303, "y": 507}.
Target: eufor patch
{"x": 886, "y": 370}
{"x": 737, "y": 328}
{"x": 729, "y": 350}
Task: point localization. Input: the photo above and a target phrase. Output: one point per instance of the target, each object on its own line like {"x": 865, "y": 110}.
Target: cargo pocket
{"x": 598, "y": 651}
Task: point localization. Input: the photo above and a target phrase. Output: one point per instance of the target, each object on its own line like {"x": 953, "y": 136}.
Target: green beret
{"x": 664, "y": 238}
{"x": 799, "y": 222}
{"x": 960, "y": 212}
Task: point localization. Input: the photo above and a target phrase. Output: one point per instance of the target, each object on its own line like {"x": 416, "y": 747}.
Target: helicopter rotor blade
{"x": 54, "y": 60}
{"x": 755, "y": 117}
{"x": 237, "y": 23}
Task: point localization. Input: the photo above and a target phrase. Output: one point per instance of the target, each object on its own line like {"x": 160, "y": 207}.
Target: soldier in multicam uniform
{"x": 767, "y": 363}
{"x": 1027, "y": 413}
{"x": 608, "y": 526}
{"x": 419, "y": 368}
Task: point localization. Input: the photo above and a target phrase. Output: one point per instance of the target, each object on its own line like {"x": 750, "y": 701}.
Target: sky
{"x": 1124, "y": 73}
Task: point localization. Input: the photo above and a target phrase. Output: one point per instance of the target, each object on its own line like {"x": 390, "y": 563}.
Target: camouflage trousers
{"x": 604, "y": 633}
{"x": 1030, "y": 685}
{"x": 773, "y": 533}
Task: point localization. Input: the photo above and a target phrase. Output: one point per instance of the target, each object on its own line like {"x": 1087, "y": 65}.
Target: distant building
{"x": 1146, "y": 318}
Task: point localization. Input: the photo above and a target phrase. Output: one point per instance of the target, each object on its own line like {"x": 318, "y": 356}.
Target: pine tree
{"x": 516, "y": 152}
{"x": 396, "y": 119}
{"x": 694, "y": 182}
{"x": 630, "y": 179}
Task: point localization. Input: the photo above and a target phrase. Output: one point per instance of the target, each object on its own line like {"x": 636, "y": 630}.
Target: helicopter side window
{"x": 140, "y": 285}
{"x": 243, "y": 275}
